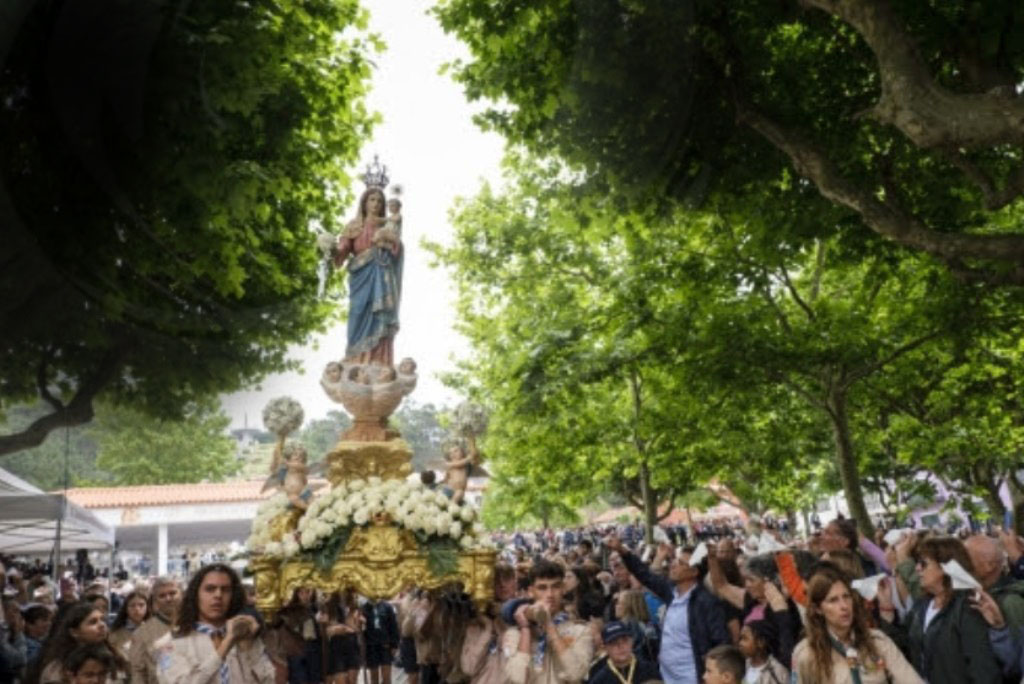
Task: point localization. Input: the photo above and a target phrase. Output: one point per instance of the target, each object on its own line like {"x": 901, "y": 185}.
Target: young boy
{"x": 620, "y": 665}
{"x": 724, "y": 665}
{"x": 545, "y": 646}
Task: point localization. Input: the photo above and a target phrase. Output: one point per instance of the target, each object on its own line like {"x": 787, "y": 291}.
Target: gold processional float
{"x": 373, "y": 528}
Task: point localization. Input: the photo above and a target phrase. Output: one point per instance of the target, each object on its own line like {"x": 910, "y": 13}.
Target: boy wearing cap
{"x": 620, "y": 665}
{"x": 545, "y": 646}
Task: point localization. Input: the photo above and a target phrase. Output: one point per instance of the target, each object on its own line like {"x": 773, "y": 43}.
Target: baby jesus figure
{"x": 390, "y": 234}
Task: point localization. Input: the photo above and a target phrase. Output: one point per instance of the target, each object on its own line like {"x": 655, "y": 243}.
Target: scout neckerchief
{"x": 628, "y": 679}
{"x": 853, "y": 657}
{"x": 542, "y": 642}
{"x": 850, "y": 653}
{"x": 213, "y": 633}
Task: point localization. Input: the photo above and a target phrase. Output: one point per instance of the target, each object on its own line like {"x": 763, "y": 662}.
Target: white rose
{"x": 343, "y": 520}
{"x": 289, "y": 546}
{"x": 466, "y": 514}
{"x": 356, "y": 485}
{"x": 273, "y": 549}
{"x": 307, "y": 538}
{"x": 466, "y": 542}
{"x": 478, "y": 529}
{"x": 373, "y": 481}
{"x": 455, "y": 530}
{"x": 361, "y": 517}
{"x": 440, "y": 499}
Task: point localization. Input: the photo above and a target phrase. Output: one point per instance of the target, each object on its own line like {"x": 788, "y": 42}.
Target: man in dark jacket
{"x": 381, "y": 636}
{"x": 694, "y": 621}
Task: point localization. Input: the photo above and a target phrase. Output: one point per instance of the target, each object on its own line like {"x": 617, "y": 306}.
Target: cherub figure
{"x": 407, "y": 366}
{"x": 459, "y": 463}
{"x": 359, "y": 374}
{"x": 290, "y": 473}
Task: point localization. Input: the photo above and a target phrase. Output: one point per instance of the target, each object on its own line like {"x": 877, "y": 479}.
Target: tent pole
{"x": 63, "y": 504}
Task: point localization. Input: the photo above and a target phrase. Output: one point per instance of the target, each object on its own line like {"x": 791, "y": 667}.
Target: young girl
{"x": 758, "y": 639}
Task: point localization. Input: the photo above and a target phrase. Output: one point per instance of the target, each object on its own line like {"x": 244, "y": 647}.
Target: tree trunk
{"x": 650, "y": 502}
{"x": 791, "y": 520}
{"x": 846, "y": 459}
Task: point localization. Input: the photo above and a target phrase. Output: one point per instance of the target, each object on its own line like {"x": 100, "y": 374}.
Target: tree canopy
{"x": 161, "y": 167}
{"x": 124, "y": 447}
{"x": 649, "y": 355}
{"x": 900, "y": 116}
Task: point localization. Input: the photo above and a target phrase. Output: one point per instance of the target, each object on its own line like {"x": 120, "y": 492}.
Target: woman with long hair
{"x": 840, "y": 647}
{"x": 949, "y": 641}
{"x": 344, "y": 626}
{"x": 83, "y": 624}
{"x": 134, "y": 611}
{"x": 631, "y": 610}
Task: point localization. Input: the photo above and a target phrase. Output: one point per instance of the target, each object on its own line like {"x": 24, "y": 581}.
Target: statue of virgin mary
{"x": 374, "y": 276}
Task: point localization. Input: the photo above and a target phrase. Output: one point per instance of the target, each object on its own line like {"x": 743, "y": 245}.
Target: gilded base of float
{"x": 378, "y": 562}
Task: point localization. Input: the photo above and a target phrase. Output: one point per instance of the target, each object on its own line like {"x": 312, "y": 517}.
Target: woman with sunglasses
{"x": 949, "y": 641}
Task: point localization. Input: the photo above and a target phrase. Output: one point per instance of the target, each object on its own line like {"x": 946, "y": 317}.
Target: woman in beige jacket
{"x": 840, "y": 648}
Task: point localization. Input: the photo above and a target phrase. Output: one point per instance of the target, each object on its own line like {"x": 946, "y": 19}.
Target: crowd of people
{"x": 596, "y": 605}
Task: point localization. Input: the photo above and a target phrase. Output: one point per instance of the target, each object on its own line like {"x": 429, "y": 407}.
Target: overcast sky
{"x": 433, "y": 149}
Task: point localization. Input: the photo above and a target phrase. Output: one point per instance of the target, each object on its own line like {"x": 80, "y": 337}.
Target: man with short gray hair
{"x": 989, "y": 559}
{"x": 164, "y": 598}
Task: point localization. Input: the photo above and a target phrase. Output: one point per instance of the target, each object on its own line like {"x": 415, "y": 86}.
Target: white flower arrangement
{"x": 429, "y": 514}
{"x": 283, "y": 416}
{"x": 470, "y": 419}
{"x": 260, "y": 541}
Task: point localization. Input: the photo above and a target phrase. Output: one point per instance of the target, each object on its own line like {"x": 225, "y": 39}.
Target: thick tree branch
{"x": 882, "y": 216}
{"x": 77, "y": 412}
{"x": 671, "y": 504}
{"x": 994, "y": 198}
{"x": 796, "y": 295}
{"x": 42, "y": 382}
{"x": 865, "y": 371}
{"x": 930, "y": 115}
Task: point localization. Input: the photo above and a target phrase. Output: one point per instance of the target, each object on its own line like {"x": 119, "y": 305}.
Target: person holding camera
{"x": 213, "y": 643}
{"x": 545, "y": 646}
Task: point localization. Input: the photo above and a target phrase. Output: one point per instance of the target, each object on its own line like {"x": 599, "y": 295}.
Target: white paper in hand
{"x": 767, "y": 544}
{"x": 868, "y": 586}
{"x": 960, "y": 578}
{"x": 660, "y": 536}
{"x": 698, "y": 554}
{"x": 893, "y": 537}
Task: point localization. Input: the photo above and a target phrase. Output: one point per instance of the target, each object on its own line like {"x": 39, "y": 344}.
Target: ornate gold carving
{"x": 285, "y": 523}
{"x": 266, "y": 572}
{"x": 353, "y": 460}
{"x": 378, "y": 562}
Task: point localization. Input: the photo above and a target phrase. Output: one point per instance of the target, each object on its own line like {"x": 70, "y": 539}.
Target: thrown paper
{"x": 698, "y": 554}
{"x": 868, "y": 586}
{"x": 960, "y": 578}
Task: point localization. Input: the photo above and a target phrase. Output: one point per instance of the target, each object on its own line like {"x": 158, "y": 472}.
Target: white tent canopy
{"x": 29, "y": 521}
